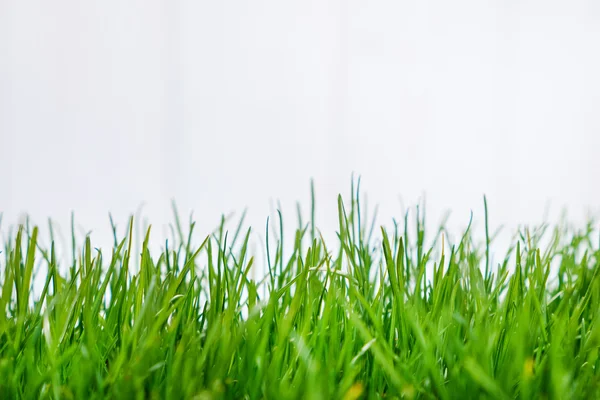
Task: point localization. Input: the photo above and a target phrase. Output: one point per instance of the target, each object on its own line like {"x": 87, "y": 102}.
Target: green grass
{"x": 401, "y": 313}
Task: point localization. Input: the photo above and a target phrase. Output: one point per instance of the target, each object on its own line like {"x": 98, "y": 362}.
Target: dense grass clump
{"x": 377, "y": 314}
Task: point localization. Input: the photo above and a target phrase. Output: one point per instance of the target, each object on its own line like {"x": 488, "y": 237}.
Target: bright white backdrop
{"x": 222, "y": 105}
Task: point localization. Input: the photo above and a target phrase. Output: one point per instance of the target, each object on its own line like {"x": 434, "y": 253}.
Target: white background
{"x": 222, "y": 105}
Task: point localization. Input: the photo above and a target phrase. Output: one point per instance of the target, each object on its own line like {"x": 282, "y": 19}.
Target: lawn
{"x": 397, "y": 313}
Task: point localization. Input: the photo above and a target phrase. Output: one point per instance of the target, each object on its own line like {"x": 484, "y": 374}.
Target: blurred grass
{"x": 378, "y": 314}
